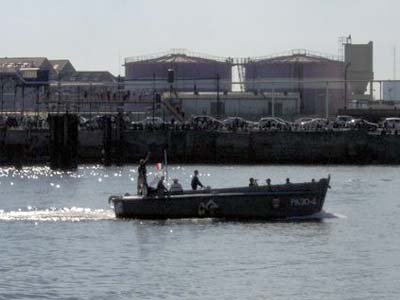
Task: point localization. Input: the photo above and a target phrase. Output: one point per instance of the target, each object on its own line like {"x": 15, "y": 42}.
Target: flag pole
{"x": 166, "y": 165}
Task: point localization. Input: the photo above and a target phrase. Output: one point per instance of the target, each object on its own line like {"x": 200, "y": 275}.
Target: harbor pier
{"x": 65, "y": 145}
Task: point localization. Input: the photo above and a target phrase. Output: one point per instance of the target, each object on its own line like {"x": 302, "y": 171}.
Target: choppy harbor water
{"x": 60, "y": 240}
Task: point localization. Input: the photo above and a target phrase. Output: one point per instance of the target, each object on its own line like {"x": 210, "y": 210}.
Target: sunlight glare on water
{"x": 73, "y": 214}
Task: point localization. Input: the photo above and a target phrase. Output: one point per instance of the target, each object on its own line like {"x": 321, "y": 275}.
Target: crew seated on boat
{"x": 161, "y": 189}
{"x": 176, "y": 187}
{"x": 253, "y": 182}
{"x": 195, "y": 181}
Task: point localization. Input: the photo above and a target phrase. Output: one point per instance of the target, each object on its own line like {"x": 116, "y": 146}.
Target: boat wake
{"x": 328, "y": 215}
{"x": 319, "y": 216}
{"x": 78, "y": 214}
{"x": 66, "y": 214}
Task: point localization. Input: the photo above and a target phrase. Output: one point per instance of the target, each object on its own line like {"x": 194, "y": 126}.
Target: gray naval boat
{"x": 266, "y": 202}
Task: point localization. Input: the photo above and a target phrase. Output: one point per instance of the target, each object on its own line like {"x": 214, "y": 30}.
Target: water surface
{"x": 59, "y": 239}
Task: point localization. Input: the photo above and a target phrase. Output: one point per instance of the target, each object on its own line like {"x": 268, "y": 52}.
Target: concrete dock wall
{"x": 349, "y": 147}
{"x": 269, "y": 147}
{"x": 24, "y": 146}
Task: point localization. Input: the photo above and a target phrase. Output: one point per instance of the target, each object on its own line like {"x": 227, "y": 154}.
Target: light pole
{"x": 346, "y": 67}
{"x": 154, "y": 98}
{"x": 218, "y": 99}
{"x": 2, "y": 88}
{"x": 2, "y": 92}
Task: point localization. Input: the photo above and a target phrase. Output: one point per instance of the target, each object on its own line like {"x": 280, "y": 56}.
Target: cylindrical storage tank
{"x": 311, "y": 76}
{"x": 190, "y": 73}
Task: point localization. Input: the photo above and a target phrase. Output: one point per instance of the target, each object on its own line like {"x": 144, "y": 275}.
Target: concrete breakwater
{"x": 36, "y": 146}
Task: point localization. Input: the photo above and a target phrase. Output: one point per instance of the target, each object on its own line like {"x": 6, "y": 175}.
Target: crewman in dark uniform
{"x": 195, "y": 181}
{"x": 161, "y": 189}
{"x": 142, "y": 187}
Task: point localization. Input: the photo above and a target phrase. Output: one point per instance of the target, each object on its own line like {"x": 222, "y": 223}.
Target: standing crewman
{"x": 142, "y": 187}
{"x": 195, "y": 181}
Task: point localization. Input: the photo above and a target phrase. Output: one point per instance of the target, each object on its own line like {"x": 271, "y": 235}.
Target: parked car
{"x": 284, "y": 121}
{"x": 362, "y": 124}
{"x": 96, "y": 122}
{"x": 299, "y": 121}
{"x": 155, "y": 122}
{"x": 316, "y": 123}
{"x": 272, "y": 123}
{"x": 206, "y": 122}
{"x": 11, "y": 121}
{"x": 341, "y": 121}
{"x": 236, "y": 122}
{"x": 83, "y": 122}
{"x": 391, "y": 123}
{"x": 2, "y": 121}
{"x": 151, "y": 121}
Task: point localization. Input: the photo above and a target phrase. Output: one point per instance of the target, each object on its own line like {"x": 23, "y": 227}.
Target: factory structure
{"x": 317, "y": 79}
{"x": 247, "y": 105}
{"x": 182, "y": 83}
{"x": 33, "y": 84}
{"x": 179, "y": 70}
{"x": 298, "y": 82}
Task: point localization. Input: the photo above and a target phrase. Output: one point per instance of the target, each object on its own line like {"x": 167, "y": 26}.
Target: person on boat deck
{"x": 252, "y": 182}
{"x": 176, "y": 186}
{"x": 142, "y": 187}
{"x": 161, "y": 189}
{"x": 195, "y": 181}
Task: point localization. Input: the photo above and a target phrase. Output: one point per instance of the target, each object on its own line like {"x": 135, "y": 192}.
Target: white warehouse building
{"x": 247, "y": 105}
{"x": 391, "y": 90}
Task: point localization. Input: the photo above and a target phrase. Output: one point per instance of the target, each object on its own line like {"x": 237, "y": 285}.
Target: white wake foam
{"x": 328, "y": 215}
{"x": 66, "y": 214}
{"x": 320, "y": 216}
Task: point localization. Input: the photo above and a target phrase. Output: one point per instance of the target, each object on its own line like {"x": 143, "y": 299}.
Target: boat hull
{"x": 273, "y": 202}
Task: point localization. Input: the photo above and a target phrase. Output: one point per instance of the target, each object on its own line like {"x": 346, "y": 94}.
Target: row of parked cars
{"x": 266, "y": 123}
{"x": 349, "y": 122}
{"x": 210, "y": 123}
{"x": 341, "y": 122}
{"x": 19, "y": 121}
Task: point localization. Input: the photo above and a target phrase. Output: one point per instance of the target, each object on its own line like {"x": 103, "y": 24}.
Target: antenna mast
{"x": 394, "y": 63}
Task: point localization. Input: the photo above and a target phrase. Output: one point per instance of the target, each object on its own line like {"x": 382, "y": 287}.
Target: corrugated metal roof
{"x": 59, "y": 64}
{"x": 296, "y": 58}
{"x": 21, "y": 62}
{"x": 91, "y": 76}
{"x": 178, "y": 56}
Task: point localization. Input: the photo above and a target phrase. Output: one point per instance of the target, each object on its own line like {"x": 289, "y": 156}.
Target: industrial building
{"x": 36, "y": 83}
{"x": 316, "y": 78}
{"x": 324, "y": 83}
{"x": 189, "y": 72}
{"x": 23, "y": 82}
{"x": 358, "y": 70}
{"x": 247, "y": 105}
{"x": 63, "y": 68}
{"x": 391, "y": 91}
{"x": 90, "y": 90}
{"x": 39, "y": 68}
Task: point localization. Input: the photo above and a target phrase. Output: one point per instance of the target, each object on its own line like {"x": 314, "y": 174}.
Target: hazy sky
{"x": 94, "y": 34}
